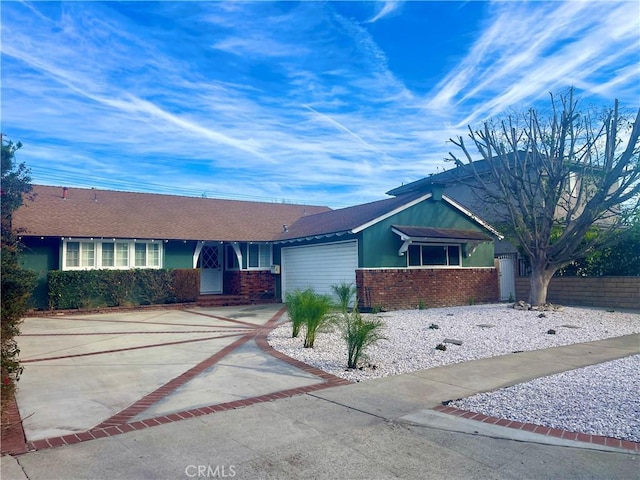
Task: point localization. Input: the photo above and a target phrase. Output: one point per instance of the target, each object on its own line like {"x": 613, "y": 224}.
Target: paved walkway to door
{"x": 91, "y": 376}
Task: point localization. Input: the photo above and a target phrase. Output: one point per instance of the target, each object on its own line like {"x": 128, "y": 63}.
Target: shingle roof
{"x": 345, "y": 219}
{"x": 153, "y": 216}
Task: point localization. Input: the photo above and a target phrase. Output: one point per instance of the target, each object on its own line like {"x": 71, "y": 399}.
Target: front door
{"x": 211, "y": 269}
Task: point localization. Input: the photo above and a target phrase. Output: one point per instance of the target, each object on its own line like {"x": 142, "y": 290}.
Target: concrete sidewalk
{"x": 384, "y": 428}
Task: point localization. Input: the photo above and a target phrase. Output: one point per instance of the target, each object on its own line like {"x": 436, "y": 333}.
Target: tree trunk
{"x": 539, "y": 282}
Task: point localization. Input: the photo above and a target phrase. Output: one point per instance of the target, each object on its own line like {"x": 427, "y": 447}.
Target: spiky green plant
{"x": 359, "y": 334}
{"x": 294, "y": 301}
{"x": 317, "y": 315}
{"x": 346, "y": 293}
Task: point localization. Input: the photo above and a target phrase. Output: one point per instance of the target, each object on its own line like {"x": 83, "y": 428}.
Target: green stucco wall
{"x": 379, "y": 245}
{"x": 178, "y": 254}
{"x": 40, "y": 256}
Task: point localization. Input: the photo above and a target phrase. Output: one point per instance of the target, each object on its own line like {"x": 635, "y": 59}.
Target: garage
{"x": 319, "y": 266}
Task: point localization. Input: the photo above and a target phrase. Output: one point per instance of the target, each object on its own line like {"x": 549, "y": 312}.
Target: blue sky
{"x": 330, "y": 103}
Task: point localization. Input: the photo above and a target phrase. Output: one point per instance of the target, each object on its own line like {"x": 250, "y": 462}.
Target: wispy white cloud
{"x": 529, "y": 49}
{"x": 386, "y": 9}
{"x": 263, "y": 100}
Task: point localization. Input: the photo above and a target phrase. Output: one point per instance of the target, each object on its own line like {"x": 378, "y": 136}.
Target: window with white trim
{"x": 114, "y": 254}
{"x": 140, "y": 255}
{"x": 87, "y": 254}
{"x": 108, "y": 255}
{"x": 72, "y": 250}
{"x": 122, "y": 254}
{"x": 434, "y": 255}
{"x": 259, "y": 255}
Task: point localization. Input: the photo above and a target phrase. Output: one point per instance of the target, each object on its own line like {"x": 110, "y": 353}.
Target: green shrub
{"x": 112, "y": 288}
{"x": 359, "y": 334}
{"x": 117, "y": 287}
{"x": 185, "y": 284}
{"x": 17, "y": 284}
{"x": 376, "y": 309}
{"x": 153, "y": 287}
{"x": 619, "y": 260}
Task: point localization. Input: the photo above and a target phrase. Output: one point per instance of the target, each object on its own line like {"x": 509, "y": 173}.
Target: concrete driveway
{"x": 84, "y": 373}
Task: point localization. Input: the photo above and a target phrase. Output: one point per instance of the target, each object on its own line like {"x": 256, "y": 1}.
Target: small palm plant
{"x": 359, "y": 334}
{"x": 317, "y": 309}
{"x": 294, "y": 301}
{"x": 346, "y": 293}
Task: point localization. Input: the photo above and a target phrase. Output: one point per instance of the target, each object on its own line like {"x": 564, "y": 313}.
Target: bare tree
{"x": 561, "y": 186}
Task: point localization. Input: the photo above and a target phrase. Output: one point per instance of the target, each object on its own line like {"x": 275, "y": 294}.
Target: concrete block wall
{"x": 612, "y": 292}
{"x": 394, "y": 289}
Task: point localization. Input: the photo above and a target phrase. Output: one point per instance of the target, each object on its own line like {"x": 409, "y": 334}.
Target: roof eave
{"x": 473, "y": 217}
{"x": 312, "y": 237}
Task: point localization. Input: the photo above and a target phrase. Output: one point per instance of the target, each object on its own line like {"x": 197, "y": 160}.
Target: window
{"x": 108, "y": 257}
{"x": 259, "y": 255}
{"x": 73, "y": 254}
{"x": 153, "y": 254}
{"x": 111, "y": 254}
{"x": 122, "y": 254}
{"x": 433, "y": 255}
{"x": 80, "y": 254}
{"x": 140, "y": 259}
{"x": 87, "y": 254}
{"x": 147, "y": 255}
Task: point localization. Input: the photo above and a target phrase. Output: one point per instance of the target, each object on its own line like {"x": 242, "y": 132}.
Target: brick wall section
{"x": 255, "y": 284}
{"x": 614, "y": 292}
{"x": 394, "y": 289}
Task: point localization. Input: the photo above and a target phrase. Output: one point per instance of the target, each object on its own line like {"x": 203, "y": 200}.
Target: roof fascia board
{"x": 391, "y": 213}
{"x": 311, "y": 237}
{"x": 472, "y": 216}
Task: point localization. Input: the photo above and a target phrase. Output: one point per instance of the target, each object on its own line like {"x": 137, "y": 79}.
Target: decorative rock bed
{"x": 559, "y": 401}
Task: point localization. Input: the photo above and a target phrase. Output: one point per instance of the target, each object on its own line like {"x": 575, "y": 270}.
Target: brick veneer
{"x": 255, "y": 284}
{"x": 400, "y": 288}
{"x": 617, "y": 292}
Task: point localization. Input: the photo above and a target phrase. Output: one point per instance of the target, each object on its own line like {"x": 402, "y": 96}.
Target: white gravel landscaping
{"x": 600, "y": 400}
{"x": 492, "y": 330}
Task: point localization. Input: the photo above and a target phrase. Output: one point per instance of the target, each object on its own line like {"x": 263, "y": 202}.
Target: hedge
{"x": 117, "y": 288}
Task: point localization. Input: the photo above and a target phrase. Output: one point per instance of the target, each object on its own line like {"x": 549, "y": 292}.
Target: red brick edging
{"x": 530, "y": 427}
{"x": 13, "y": 438}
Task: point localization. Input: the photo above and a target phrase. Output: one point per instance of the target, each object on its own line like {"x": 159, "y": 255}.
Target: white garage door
{"x": 319, "y": 266}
